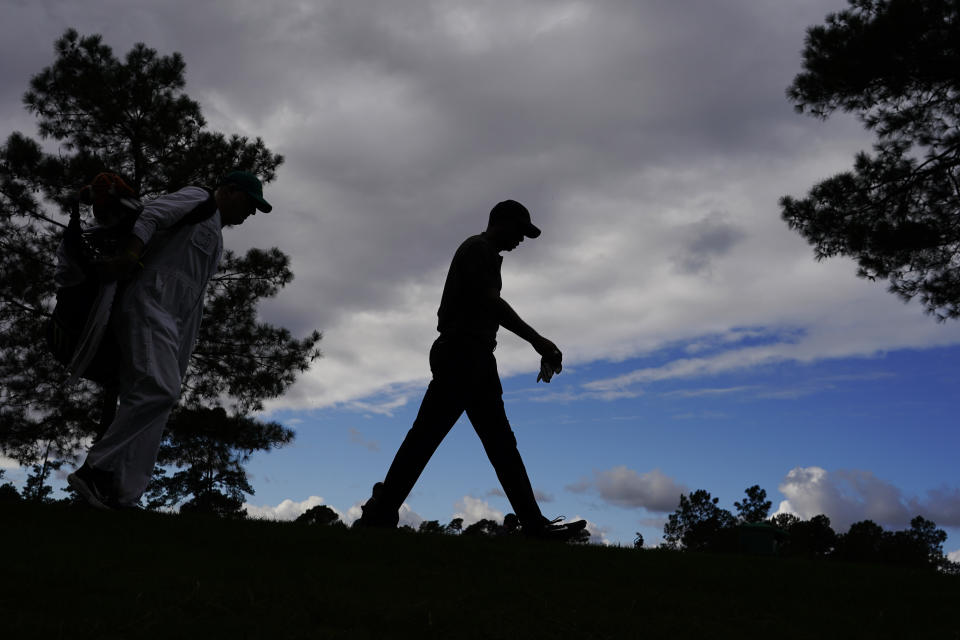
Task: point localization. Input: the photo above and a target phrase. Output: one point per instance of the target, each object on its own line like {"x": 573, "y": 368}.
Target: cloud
{"x": 357, "y": 438}
{"x": 8, "y": 463}
{"x": 475, "y": 509}
{"x": 954, "y": 556}
{"x": 290, "y": 510}
{"x": 681, "y": 185}
{"x": 286, "y": 510}
{"x": 402, "y": 127}
{"x": 569, "y": 395}
{"x": 848, "y": 496}
{"x": 409, "y": 517}
{"x": 697, "y": 393}
{"x": 383, "y": 407}
{"x": 702, "y": 241}
{"x": 580, "y": 486}
{"x": 794, "y": 391}
{"x": 598, "y": 534}
{"x": 942, "y": 505}
{"x": 816, "y": 342}
{"x": 624, "y": 487}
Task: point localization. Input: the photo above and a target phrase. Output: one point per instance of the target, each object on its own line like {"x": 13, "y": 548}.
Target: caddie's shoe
{"x": 93, "y": 485}
{"x": 374, "y": 514}
{"x": 556, "y": 529}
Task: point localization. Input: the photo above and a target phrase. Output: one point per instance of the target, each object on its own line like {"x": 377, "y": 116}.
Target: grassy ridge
{"x": 77, "y": 573}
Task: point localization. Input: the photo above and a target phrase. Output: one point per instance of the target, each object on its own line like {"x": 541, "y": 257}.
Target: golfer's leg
{"x": 490, "y": 422}
{"x": 438, "y": 413}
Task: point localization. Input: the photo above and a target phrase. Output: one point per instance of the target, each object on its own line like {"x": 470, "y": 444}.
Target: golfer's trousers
{"x": 464, "y": 379}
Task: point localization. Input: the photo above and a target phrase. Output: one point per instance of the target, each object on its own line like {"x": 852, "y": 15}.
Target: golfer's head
{"x": 510, "y": 221}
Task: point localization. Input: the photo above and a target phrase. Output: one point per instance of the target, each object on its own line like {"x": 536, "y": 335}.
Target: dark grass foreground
{"x": 77, "y": 573}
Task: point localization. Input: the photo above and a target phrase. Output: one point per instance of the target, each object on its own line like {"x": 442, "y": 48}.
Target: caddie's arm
{"x": 166, "y": 211}
{"x": 121, "y": 265}
{"x": 158, "y": 214}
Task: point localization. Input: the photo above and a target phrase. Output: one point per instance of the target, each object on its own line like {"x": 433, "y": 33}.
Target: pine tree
{"x": 698, "y": 524}
{"x": 755, "y": 506}
{"x": 320, "y": 515}
{"x": 892, "y": 63}
{"x": 8, "y": 492}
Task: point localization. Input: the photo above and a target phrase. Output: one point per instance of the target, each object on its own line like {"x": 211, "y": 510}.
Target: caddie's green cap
{"x": 251, "y": 185}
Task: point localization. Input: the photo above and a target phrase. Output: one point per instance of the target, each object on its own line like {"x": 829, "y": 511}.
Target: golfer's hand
{"x": 551, "y": 359}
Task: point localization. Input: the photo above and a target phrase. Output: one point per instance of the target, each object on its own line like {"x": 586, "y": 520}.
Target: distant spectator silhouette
{"x": 465, "y": 378}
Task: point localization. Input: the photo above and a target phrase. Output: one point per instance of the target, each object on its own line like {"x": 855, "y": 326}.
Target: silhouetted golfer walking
{"x": 465, "y": 378}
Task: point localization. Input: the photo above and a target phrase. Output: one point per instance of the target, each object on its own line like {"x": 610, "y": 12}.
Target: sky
{"x": 704, "y": 347}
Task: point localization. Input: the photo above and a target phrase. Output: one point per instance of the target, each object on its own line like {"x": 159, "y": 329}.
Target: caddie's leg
{"x": 108, "y": 408}
{"x": 150, "y": 345}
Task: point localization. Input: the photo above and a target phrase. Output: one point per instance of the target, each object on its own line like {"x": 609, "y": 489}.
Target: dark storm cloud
{"x": 415, "y": 127}
{"x": 621, "y": 125}
{"x": 424, "y": 115}
{"x": 704, "y": 240}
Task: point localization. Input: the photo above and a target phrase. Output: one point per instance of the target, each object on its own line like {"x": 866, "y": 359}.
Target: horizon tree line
{"x": 700, "y": 525}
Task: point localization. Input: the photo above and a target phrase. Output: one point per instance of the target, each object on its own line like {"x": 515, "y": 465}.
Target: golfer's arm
{"x": 510, "y": 321}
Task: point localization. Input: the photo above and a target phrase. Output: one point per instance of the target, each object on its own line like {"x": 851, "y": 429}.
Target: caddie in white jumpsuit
{"x": 157, "y": 322}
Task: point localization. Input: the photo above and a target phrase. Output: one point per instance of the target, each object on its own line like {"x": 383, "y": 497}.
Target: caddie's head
{"x": 239, "y": 196}
{"x": 111, "y": 198}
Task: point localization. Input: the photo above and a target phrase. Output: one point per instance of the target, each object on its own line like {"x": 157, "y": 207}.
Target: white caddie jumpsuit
{"x": 156, "y": 322}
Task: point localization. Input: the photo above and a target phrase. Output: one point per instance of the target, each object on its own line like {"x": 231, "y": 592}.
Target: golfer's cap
{"x": 513, "y": 211}
{"x": 249, "y": 184}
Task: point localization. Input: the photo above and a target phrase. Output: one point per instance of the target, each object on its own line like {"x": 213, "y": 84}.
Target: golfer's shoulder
{"x": 476, "y": 247}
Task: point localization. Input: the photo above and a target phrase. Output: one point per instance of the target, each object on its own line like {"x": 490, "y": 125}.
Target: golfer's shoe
{"x": 93, "y": 486}
{"x": 374, "y": 514}
{"x": 557, "y": 529}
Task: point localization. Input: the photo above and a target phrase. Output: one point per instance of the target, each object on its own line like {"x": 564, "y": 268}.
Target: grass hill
{"x": 78, "y": 573}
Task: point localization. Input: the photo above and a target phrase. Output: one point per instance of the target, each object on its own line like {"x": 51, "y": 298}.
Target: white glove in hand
{"x": 547, "y": 369}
